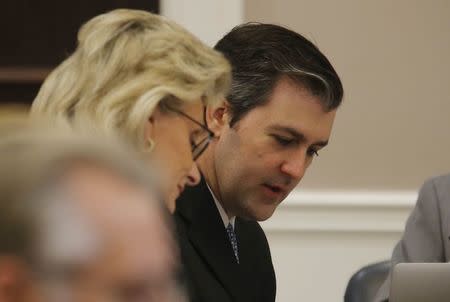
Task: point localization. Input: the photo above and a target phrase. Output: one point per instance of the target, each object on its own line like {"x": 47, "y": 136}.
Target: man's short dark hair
{"x": 261, "y": 54}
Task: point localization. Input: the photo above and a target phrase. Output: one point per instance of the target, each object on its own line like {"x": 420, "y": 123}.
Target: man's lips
{"x": 276, "y": 189}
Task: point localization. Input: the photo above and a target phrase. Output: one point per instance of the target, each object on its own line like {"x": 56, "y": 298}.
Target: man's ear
{"x": 218, "y": 117}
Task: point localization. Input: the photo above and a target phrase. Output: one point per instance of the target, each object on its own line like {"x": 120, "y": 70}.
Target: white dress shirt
{"x": 226, "y": 220}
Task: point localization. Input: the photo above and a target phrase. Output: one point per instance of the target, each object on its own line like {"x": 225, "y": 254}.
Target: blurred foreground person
{"x": 79, "y": 221}
{"x": 148, "y": 79}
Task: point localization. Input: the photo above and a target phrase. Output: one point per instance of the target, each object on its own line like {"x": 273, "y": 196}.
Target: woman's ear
{"x": 152, "y": 124}
{"x": 218, "y": 117}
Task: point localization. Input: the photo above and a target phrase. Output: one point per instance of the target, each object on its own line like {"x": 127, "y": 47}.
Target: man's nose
{"x": 296, "y": 166}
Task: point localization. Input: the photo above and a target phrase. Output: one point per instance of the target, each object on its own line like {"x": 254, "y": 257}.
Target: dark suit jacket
{"x": 210, "y": 268}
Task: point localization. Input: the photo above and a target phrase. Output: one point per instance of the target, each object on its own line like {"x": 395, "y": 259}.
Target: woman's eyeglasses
{"x": 202, "y": 140}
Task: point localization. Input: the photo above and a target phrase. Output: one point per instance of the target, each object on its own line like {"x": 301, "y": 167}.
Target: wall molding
{"x": 343, "y": 212}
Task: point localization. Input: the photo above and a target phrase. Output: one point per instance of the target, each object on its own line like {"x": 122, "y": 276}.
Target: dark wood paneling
{"x": 38, "y": 35}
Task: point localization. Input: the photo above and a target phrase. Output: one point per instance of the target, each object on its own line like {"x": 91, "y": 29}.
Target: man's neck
{"x": 208, "y": 170}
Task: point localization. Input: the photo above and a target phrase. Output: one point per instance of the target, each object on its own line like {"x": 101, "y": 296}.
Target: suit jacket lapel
{"x": 208, "y": 236}
{"x": 249, "y": 257}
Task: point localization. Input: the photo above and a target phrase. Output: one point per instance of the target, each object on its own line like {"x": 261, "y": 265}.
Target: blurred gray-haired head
{"x": 50, "y": 226}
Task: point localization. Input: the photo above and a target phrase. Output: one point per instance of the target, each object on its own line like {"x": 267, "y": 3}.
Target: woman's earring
{"x": 150, "y": 145}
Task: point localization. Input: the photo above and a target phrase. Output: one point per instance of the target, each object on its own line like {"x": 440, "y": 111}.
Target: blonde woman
{"x": 146, "y": 78}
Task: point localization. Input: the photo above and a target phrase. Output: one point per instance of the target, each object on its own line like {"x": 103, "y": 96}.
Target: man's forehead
{"x": 298, "y": 116}
{"x": 107, "y": 197}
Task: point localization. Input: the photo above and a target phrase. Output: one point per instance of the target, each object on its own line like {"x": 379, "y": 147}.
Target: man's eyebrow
{"x": 297, "y": 135}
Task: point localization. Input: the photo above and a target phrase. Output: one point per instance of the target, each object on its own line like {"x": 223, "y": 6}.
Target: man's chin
{"x": 262, "y": 213}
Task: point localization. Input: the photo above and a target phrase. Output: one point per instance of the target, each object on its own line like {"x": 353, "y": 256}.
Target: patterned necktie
{"x": 233, "y": 240}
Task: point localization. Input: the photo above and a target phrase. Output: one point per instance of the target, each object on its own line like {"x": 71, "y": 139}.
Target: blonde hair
{"x": 126, "y": 64}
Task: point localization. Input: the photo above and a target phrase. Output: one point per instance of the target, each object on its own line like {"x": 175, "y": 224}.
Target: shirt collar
{"x": 222, "y": 212}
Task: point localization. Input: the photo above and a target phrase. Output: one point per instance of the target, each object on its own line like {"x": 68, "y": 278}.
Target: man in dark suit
{"x": 277, "y": 116}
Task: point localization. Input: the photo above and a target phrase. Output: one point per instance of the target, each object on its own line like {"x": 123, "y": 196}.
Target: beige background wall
{"x": 393, "y": 130}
